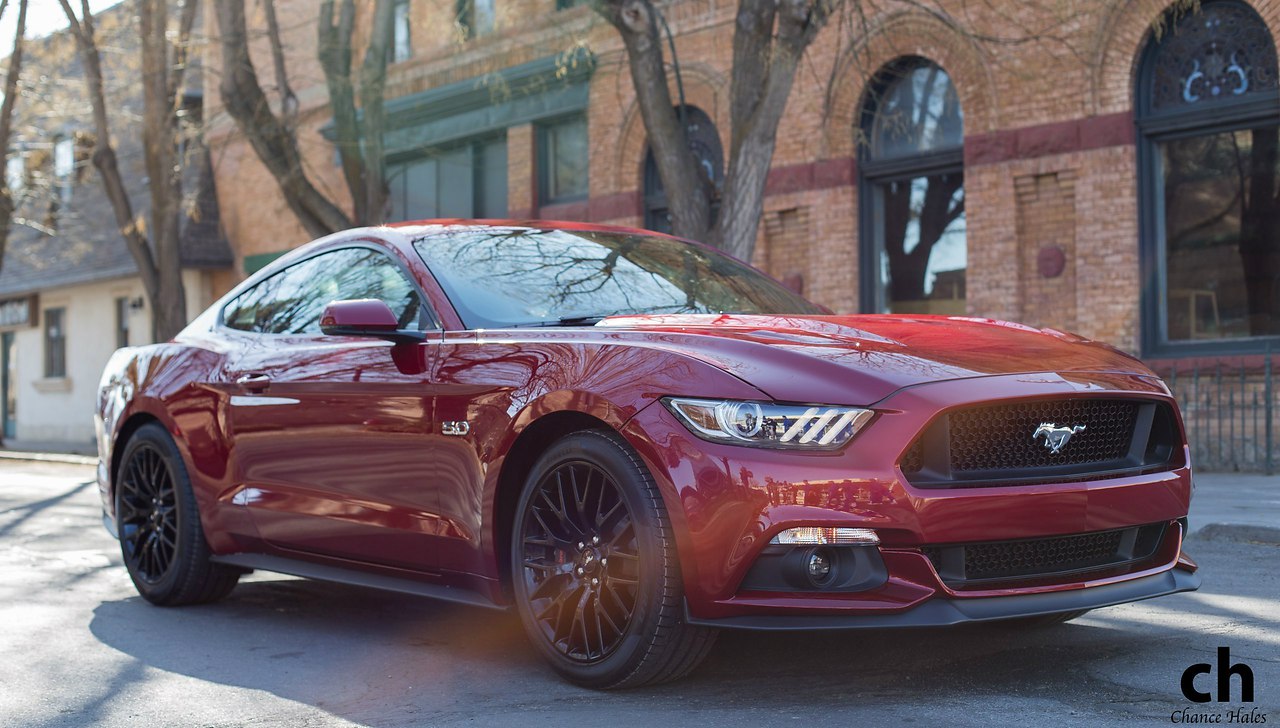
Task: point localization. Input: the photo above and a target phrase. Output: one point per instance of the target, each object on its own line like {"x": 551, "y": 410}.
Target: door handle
{"x": 253, "y": 382}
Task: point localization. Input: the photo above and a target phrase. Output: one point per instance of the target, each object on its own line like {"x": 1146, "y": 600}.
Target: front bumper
{"x": 944, "y": 612}
{"x": 726, "y": 502}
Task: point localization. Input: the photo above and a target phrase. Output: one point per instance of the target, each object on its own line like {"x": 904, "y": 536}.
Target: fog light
{"x": 814, "y": 536}
{"x": 819, "y": 565}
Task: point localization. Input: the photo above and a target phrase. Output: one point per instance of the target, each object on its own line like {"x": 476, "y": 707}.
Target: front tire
{"x": 158, "y": 524}
{"x": 595, "y": 571}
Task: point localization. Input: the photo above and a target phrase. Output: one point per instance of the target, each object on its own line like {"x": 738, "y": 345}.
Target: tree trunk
{"x": 7, "y": 203}
{"x": 1259, "y": 223}
{"x": 161, "y": 101}
{"x": 637, "y": 23}
{"x": 275, "y": 143}
{"x": 770, "y": 38}
{"x": 373, "y": 84}
{"x": 104, "y": 154}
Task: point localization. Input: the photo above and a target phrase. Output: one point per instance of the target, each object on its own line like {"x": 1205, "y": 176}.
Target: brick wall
{"x": 1050, "y": 161}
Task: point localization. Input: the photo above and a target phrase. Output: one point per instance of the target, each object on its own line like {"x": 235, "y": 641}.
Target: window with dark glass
{"x": 401, "y": 38}
{"x": 566, "y": 4}
{"x": 122, "y": 322}
{"x": 911, "y": 192}
{"x": 465, "y": 180}
{"x": 292, "y": 301}
{"x": 704, "y": 143}
{"x": 1209, "y": 154}
{"x": 55, "y": 343}
{"x": 562, "y": 160}
{"x": 476, "y": 17}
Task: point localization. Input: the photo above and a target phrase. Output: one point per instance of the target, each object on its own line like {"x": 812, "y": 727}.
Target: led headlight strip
{"x": 769, "y": 424}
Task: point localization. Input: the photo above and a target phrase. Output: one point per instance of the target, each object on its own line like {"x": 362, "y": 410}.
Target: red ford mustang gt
{"x": 633, "y": 441}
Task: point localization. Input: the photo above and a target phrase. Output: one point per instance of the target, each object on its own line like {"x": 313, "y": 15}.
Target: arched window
{"x": 911, "y": 192}
{"x": 1209, "y": 118}
{"x": 704, "y": 142}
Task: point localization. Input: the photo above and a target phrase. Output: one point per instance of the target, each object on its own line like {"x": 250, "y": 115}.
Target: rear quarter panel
{"x": 177, "y": 385}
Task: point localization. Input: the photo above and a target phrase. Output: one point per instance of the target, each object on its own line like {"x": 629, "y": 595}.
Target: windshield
{"x": 504, "y": 277}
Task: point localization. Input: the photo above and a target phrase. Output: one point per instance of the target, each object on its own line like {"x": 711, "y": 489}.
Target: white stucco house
{"x": 70, "y": 293}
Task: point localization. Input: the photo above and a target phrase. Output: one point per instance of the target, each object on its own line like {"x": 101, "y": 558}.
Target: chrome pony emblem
{"x": 1056, "y": 438}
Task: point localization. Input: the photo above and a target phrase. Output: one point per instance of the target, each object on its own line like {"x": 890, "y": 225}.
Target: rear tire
{"x": 595, "y": 571}
{"x": 158, "y": 524}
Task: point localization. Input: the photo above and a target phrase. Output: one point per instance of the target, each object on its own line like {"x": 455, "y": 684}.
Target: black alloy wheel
{"x": 595, "y": 573}
{"x": 581, "y": 561}
{"x": 148, "y": 514}
{"x": 158, "y": 523}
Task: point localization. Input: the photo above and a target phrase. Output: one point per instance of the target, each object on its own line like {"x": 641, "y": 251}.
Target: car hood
{"x": 862, "y": 359}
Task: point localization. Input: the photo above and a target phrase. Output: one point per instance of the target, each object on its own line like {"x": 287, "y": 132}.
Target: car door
{"x": 328, "y": 432}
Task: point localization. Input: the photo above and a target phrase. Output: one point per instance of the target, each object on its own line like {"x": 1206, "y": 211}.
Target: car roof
{"x": 412, "y": 227}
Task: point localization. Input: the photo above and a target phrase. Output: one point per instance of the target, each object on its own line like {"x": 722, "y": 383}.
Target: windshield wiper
{"x": 586, "y": 320}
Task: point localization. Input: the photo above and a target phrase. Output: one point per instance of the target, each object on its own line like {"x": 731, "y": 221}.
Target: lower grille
{"x": 967, "y": 564}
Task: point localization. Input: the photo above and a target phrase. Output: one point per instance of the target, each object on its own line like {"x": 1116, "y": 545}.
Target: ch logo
{"x": 1225, "y": 671}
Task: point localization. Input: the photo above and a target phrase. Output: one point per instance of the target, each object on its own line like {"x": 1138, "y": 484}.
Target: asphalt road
{"x": 78, "y": 647}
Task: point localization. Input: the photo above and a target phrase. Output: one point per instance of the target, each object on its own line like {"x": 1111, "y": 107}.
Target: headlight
{"x": 767, "y": 424}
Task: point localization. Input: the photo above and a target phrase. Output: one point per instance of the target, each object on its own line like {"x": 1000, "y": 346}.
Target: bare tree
{"x": 770, "y": 38}
{"x": 359, "y": 130}
{"x": 7, "y": 202}
{"x": 155, "y": 247}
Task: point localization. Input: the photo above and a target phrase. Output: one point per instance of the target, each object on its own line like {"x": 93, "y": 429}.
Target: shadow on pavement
{"x": 365, "y": 655}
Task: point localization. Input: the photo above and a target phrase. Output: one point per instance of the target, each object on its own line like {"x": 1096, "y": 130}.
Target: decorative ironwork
{"x": 918, "y": 111}
{"x": 1222, "y": 51}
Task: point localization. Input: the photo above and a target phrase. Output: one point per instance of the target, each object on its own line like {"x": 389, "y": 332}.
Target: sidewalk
{"x": 49, "y": 452}
{"x": 1248, "y": 503}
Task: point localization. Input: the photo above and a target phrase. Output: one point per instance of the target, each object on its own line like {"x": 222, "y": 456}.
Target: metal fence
{"x": 1228, "y": 407}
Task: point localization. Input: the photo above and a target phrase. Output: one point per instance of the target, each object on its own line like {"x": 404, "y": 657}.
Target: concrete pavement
{"x": 80, "y": 648}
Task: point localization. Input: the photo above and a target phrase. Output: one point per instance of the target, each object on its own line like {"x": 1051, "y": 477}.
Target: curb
{"x": 48, "y": 457}
{"x": 1237, "y": 533}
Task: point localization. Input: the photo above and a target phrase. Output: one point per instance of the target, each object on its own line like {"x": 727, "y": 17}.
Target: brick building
{"x": 1080, "y": 165}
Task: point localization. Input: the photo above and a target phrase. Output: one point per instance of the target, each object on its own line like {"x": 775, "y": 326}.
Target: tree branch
{"x": 335, "y": 53}
{"x": 288, "y": 100}
{"x": 7, "y": 204}
{"x": 275, "y": 143}
{"x": 373, "y": 84}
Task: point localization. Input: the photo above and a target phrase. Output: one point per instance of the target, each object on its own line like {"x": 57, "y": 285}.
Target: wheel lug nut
{"x": 581, "y": 545}
{"x": 595, "y": 540}
{"x": 595, "y": 581}
{"x": 579, "y": 571}
{"x": 604, "y": 561}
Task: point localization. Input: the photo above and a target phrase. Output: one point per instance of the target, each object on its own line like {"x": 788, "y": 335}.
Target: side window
{"x": 292, "y": 301}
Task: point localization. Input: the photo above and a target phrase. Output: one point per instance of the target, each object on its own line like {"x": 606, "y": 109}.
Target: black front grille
{"x": 963, "y": 564}
{"x": 1005, "y": 444}
{"x": 1002, "y": 437}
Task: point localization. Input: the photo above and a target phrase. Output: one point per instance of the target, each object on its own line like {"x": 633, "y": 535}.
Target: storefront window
{"x": 466, "y": 180}
{"x": 562, "y": 162}
{"x": 912, "y": 192}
